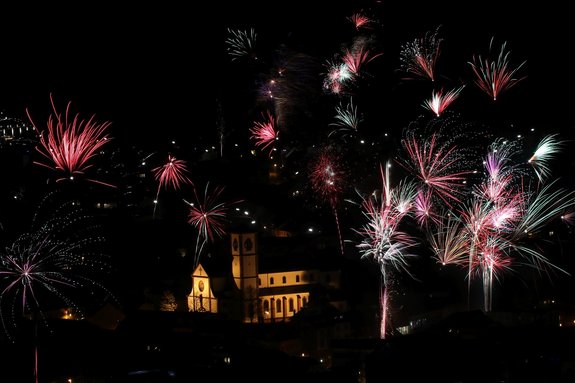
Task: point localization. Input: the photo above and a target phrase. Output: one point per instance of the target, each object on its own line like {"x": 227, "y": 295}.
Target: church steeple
{"x": 245, "y": 272}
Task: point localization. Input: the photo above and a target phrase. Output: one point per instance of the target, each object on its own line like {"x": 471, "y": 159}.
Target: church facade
{"x": 253, "y": 294}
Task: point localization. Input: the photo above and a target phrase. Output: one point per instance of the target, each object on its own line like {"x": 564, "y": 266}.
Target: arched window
{"x": 266, "y": 307}
{"x": 284, "y": 279}
{"x": 271, "y": 280}
{"x": 291, "y": 304}
{"x": 297, "y": 278}
{"x": 279, "y": 305}
{"x": 304, "y": 301}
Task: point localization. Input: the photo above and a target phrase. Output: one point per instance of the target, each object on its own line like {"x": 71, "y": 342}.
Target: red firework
{"x": 327, "y": 176}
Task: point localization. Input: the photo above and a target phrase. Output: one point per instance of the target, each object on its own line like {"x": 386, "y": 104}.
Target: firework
{"x": 172, "y": 174}
{"x": 359, "y": 20}
{"x": 338, "y": 75}
{"x": 449, "y": 242}
{"x": 57, "y": 259}
{"x": 548, "y": 147}
{"x": 440, "y": 101}
{"x": 265, "y": 133}
{"x": 209, "y": 216}
{"x": 70, "y": 143}
{"x": 419, "y": 57}
{"x": 346, "y": 118}
{"x": 241, "y": 43}
{"x": 381, "y": 238}
{"x": 495, "y": 75}
{"x": 327, "y": 176}
{"x": 355, "y": 59}
{"x": 434, "y": 163}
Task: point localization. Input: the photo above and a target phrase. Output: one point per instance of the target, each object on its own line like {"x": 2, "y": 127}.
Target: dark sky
{"x": 149, "y": 68}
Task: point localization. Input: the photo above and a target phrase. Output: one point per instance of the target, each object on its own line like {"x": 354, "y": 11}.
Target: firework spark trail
{"x": 383, "y": 296}
{"x": 327, "y": 177}
{"x": 265, "y": 133}
{"x": 548, "y": 147}
{"x": 241, "y": 43}
{"x": 209, "y": 216}
{"x": 381, "y": 239}
{"x": 70, "y": 142}
{"x": 495, "y": 75}
{"x": 172, "y": 174}
{"x": 419, "y": 57}
{"x": 439, "y": 100}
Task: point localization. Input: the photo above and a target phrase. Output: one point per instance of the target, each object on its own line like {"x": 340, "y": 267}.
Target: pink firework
{"x": 356, "y": 58}
{"x": 419, "y": 57}
{"x": 209, "y": 215}
{"x": 172, "y": 174}
{"x": 382, "y": 239}
{"x": 434, "y": 163}
{"x": 359, "y": 20}
{"x": 495, "y": 75}
{"x": 439, "y": 100}
{"x": 71, "y": 142}
{"x": 265, "y": 133}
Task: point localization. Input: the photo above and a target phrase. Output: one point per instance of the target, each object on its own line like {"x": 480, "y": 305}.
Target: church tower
{"x": 245, "y": 272}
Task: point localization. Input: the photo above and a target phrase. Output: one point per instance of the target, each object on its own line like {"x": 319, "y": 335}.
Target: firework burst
{"x": 70, "y": 142}
{"x": 57, "y": 260}
{"x": 241, "y": 43}
{"x": 439, "y": 100}
{"x": 264, "y": 133}
{"x": 173, "y": 173}
{"x": 548, "y": 147}
{"x": 494, "y": 75}
{"x": 419, "y": 57}
{"x": 209, "y": 216}
{"x": 327, "y": 176}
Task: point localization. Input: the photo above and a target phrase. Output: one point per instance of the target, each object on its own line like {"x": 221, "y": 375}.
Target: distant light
{"x": 296, "y": 173}
{"x": 519, "y": 136}
{"x": 532, "y": 129}
{"x": 246, "y": 212}
{"x": 237, "y": 209}
{"x": 236, "y": 145}
{"x": 385, "y": 134}
{"x": 143, "y": 163}
{"x": 155, "y": 201}
{"x": 310, "y": 229}
{"x": 253, "y": 222}
{"x": 173, "y": 142}
{"x": 361, "y": 141}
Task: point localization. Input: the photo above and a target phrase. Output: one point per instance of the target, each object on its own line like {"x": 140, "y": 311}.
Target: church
{"x": 262, "y": 288}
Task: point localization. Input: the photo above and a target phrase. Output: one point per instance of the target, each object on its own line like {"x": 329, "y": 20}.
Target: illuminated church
{"x": 258, "y": 289}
